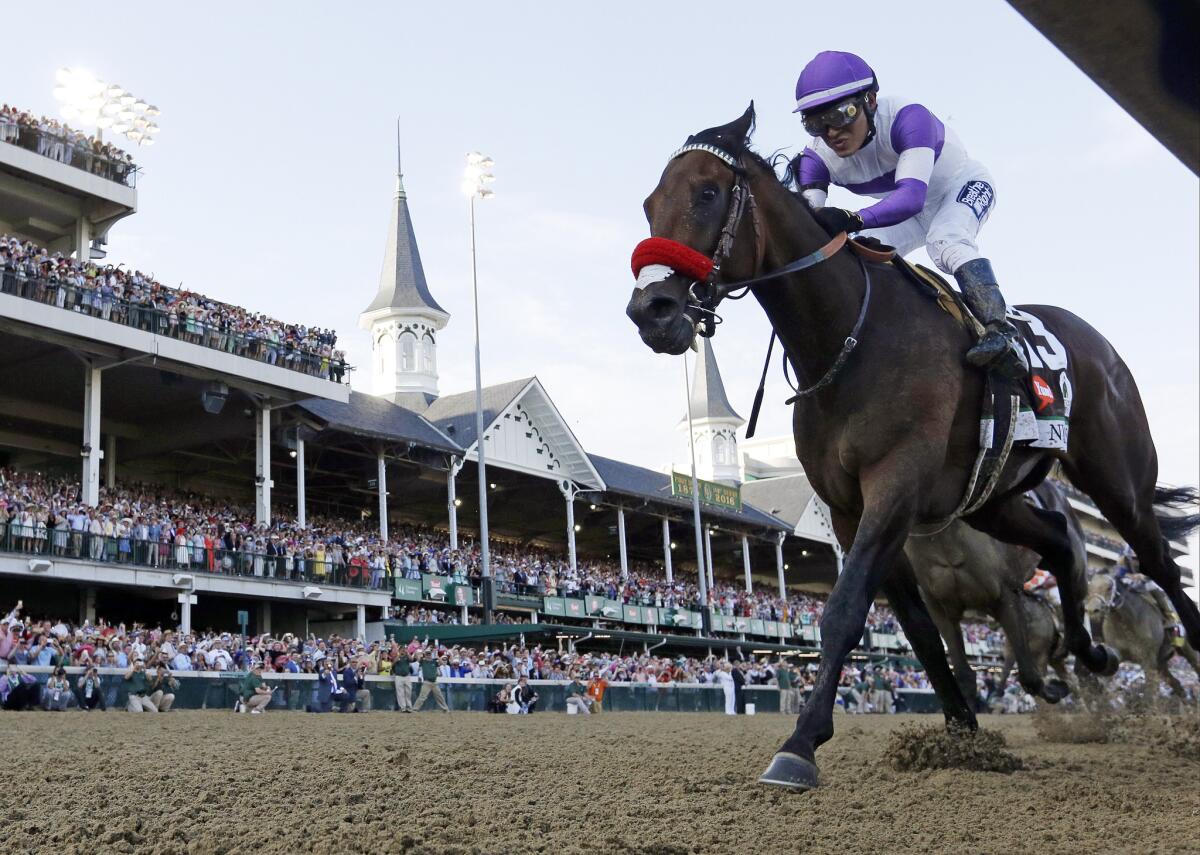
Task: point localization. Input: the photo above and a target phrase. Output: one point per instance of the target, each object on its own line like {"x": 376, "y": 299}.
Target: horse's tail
{"x": 1176, "y": 526}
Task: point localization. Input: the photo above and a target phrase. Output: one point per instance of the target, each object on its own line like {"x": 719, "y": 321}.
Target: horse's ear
{"x": 743, "y": 127}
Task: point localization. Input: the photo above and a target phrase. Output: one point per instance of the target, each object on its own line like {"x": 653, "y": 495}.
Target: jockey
{"x": 1127, "y": 573}
{"x": 931, "y": 193}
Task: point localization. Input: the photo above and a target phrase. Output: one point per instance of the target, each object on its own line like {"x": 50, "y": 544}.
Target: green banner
{"x": 439, "y": 589}
{"x": 408, "y": 589}
{"x": 717, "y": 495}
{"x": 575, "y": 608}
{"x": 757, "y": 627}
{"x": 637, "y": 614}
{"x": 593, "y": 604}
{"x": 554, "y": 606}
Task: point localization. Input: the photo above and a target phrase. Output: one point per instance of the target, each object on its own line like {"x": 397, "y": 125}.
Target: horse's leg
{"x": 1016, "y": 622}
{"x": 1047, "y": 532}
{"x": 1122, "y": 486}
{"x": 902, "y": 592}
{"x": 1192, "y": 657}
{"x": 878, "y": 538}
{"x": 950, "y": 629}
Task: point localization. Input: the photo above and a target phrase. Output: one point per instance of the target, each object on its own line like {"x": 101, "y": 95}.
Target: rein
{"x": 661, "y": 257}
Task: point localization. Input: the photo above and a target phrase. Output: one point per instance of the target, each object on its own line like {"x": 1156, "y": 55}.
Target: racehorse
{"x": 889, "y": 429}
{"x": 961, "y": 568}
{"x": 1134, "y": 626}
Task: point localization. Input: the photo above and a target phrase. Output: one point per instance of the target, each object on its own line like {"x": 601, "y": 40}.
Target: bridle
{"x": 706, "y": 291}
{"x": 1113, "y": 600}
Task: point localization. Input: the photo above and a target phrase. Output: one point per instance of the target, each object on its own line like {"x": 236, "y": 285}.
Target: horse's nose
{"x": 652, "y": 311}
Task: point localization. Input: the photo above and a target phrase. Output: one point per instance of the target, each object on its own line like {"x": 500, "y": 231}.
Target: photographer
{"x": 255, "y": 694}
{"x": 18, "y": 690}
{"x": 525, "y": 696}
{"x": 577, "y": 697}
{"x": 500, "y": 701}
{"x": 162, "y": 688}
{"x": 56, "y": 697}
{"x": 91, "y": 690}
{"x": 137, "y": 686}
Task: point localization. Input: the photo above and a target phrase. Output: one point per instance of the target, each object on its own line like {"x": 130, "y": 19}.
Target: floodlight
{"x": 63, "y": 76}
{"x": 104, "y": 122}
{"x": 127, "y": 100}
{"x": 140, "y": 106}
{"x": 134, "y": 135}
{"x": 146, "y": 141}
{"x": 114, "y": 91}
{"x": 486, "y": 194}
{"x": 61, "y": 93}
{"x": 487, "y": 163}
{"x": 68, "y": 111}
{"x": 126, "y": 114}
{"x": 152, "y": 128}
{"x": 468, "y": 188}
{"x": 119, "y": 127}
{"x": 153, "y": 111}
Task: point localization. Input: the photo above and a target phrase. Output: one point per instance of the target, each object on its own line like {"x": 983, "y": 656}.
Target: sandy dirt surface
{"x": 549, "y": 783}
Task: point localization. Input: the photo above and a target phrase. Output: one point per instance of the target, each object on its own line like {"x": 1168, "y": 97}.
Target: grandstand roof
{"x": 786, "y": 497}
{"x": 402, "y": 282}
{"x": 368, "y": 415}
{"x": 455, "y": 414}
{"x": 643, "y": 483}
{"x": 709, "y": 400}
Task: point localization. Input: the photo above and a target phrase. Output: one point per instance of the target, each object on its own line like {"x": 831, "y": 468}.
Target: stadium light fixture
{"x": 88, "y": 100}
{"x": 473, "y": 186}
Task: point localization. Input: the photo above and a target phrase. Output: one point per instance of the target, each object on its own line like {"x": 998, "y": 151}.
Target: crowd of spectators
{"x": 59, "y": 141}
{"x": 139, "y": 300}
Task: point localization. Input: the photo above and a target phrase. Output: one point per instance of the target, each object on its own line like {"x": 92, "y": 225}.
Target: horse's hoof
{"x": 1054, "y": 691}
{"x": 791, "y": 771}
{"x": 1112, "y": 663}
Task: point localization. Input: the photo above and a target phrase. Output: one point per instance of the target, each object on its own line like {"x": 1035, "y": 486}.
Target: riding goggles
{"x": 838, "y": 116}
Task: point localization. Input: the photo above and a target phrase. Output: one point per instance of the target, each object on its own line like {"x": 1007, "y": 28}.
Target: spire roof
{"x": 709, "y": 400}
{"x": 402, "y": 282}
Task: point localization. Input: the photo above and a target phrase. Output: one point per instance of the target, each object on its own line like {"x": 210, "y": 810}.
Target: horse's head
{"x": 695, "y": 215}
{"x": 1102, "y": 593}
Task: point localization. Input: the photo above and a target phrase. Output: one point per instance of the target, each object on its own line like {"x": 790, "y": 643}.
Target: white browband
{"x": 724, "y": 156}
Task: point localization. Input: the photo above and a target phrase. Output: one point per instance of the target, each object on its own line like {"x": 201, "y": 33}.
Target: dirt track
{"x": 652, "y": 783}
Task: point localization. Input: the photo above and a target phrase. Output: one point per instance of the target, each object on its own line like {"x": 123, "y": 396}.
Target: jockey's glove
{"x": 838, "y": 220}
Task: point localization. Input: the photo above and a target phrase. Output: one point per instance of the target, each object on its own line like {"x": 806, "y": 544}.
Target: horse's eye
{"x": 707, "y": 194}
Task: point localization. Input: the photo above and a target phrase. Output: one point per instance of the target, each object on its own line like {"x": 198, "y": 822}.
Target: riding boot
{"x": 1170, "y": 619}
{"x": 997, "y": 349}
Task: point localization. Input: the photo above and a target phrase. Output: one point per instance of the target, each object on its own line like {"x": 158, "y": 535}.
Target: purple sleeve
{"x": 916, "y": 127}
{"x": 905, "y": 201}
{"x": 813, "y": 171}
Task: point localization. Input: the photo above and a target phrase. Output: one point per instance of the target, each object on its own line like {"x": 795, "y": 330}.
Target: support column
{"x": 621, "y": 541}
{"x": 667, "y": 550}
{"x": 90, "y": 449}
{"x": 746, "y": 562}
{"x": 301, "y": 499}
{"x": 110, "y": 461}
{"x": 456, "y": 464}
{"x": 83, "y": 239}
{"x": 708, "y": 556}
{"x": 87, "y": 607}
{"x": 185, "y": 613}
{"x": 360, "y": 627}
{"x": 381, "y": 484}
{"x": 779, "y": 564}
{"x": 264, "y": 617}
{"x": 569, "y": 489}
{"x": 262, "y": 466}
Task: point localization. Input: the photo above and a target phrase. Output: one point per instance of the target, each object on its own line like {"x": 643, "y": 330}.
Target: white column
{"x": 746, "y": 562}
{"x": 301, "y": 498}
{"x": 456, "y": 464}
{"x": 88, "y": 609}
{"x": 381, "y": 483}
{"x": 90, "y": 450}
{"x": 264, "y": 617}
{"x": 667, "y": 550}
{"x": 262, "y": 466}
{"x": 621, "y": 542}
{"x": 779, "y": 564}
{"x": 83, "y": 239}
{"x": 708, "y": 555}
{"x": 185, "y": 613}
{"x": 360, "y": 627}
{"x": 110, "y": 461}
{"x": 568, "y": 489}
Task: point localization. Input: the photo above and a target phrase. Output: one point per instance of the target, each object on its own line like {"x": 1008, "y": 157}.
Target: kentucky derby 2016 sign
{"x": 717, "y": 495}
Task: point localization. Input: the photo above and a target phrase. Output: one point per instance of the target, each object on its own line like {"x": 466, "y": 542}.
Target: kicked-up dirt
{"x": 659, "y": 783}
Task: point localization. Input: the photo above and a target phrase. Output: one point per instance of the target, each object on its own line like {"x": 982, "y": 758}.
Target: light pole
{"x": 476, "y": 177}
{"x": 90, "y": 101}
{"x": 705, "y": 613}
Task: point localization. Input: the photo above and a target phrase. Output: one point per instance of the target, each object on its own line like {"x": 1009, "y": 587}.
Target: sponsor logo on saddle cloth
{"x": 1050, "y": 389}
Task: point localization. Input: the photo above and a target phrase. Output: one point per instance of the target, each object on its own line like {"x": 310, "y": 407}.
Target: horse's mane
{"x": 740, "y": 148}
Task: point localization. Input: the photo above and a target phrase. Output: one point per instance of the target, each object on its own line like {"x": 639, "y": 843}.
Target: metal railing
{"x": 61, "y": 149}
{"x": 71, "y": 296}
{"x": 84, "y": 546}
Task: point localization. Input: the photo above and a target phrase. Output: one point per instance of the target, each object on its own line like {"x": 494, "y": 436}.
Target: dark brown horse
{"x": 889, "y": 438}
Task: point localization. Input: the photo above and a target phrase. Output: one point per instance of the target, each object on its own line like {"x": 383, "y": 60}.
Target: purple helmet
{"x": 831, "y": 76}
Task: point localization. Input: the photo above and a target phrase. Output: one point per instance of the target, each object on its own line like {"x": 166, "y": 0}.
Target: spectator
{"x": 596, "y": 688}
{"x": 429, "y": 686}
{"x": 255, "y": 693}
{"x": 723, "y": 677}
{"x": 162, "y": 688}
{"x": 18, "y": 690}
{"x": 500, "y": 701}
{"x": 354, "y": 683}
{"x": 789, "y": 697}
{"x": 402, "y": 679}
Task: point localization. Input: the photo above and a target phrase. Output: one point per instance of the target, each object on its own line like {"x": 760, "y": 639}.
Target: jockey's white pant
{"x": 946, "y": 227}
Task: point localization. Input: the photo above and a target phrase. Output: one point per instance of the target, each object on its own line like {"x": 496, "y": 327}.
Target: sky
{"x": 272, "y": 178}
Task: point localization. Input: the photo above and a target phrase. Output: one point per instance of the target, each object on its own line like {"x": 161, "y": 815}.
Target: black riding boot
{"x": 997, "y": 349}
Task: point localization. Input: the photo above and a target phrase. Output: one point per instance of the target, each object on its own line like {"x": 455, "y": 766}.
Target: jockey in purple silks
{"x": 931, "y": 192}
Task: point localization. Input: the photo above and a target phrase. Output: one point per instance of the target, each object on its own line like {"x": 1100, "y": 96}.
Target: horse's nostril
{"x": 662, "y": 308}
